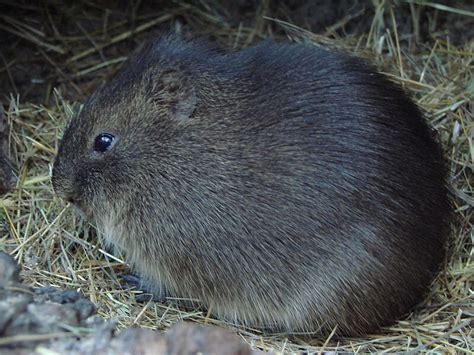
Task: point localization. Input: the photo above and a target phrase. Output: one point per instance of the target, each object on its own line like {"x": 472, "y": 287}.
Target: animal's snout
{"x": 62, "y": 180}
{"x": 64, "y": 190}
{"x": 71, "y": 198}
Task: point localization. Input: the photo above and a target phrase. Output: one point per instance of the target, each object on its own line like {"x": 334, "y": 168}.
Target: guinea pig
{"x": 285, "y": 187}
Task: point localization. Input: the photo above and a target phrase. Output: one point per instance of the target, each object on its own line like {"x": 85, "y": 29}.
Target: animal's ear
{"x": 173, "y": 90}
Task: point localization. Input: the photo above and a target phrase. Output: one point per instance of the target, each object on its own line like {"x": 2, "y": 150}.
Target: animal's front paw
{"x": 145, "y": 293}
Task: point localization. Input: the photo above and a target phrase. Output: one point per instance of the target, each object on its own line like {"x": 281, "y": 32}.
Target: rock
{"x": 26, "y": 312}
{"x": 188, "y": 338}
{"x": 53, "y": 316}
{"x": 55, "y": 295}
{"x": 11, "y": 307}
{"x": 84, "y": 308}
{"x": 182, "y": 339}
{"x": 9, "y": 269}
{"x": 46, "y": 311}
{"x": 139, "y": 341}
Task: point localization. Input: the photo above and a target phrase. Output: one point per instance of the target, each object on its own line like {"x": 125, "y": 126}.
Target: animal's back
{"x": 331, "y": 198}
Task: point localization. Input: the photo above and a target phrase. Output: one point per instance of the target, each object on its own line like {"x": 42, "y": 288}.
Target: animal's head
{"x": 120, "y": 144}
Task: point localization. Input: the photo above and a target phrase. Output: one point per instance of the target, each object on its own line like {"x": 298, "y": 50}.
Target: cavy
{"x": 284, "y": 186}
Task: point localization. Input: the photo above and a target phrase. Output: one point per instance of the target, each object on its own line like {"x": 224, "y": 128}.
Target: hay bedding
{"x": 54, "y": 54}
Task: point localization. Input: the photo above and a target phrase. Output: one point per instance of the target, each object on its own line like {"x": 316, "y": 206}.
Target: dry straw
{"x": 57, "y": 248}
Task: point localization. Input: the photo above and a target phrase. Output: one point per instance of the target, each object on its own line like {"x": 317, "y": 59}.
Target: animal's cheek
{"x": 90, "y": 185}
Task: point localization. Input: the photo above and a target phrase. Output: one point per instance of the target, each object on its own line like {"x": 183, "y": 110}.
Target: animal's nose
{"x": 70, "y": 199}
{"x": 65, "y": 191}
{"x": 67, "y": 195}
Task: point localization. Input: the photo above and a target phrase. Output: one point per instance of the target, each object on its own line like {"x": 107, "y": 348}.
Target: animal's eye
{"x": 103, "y": 142}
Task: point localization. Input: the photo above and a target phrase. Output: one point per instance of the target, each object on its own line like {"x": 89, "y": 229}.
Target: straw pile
{"x": 68, "y": 49}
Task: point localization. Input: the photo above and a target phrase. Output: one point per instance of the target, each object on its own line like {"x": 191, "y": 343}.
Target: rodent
{"x": 284, "y": 186}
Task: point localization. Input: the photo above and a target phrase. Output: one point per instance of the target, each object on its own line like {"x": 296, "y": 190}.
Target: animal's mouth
{"x": 68, "y": 194}
{"x": 82, "y": 208}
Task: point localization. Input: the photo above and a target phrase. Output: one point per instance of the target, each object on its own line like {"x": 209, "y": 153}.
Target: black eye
{"x": 103, "y": 142}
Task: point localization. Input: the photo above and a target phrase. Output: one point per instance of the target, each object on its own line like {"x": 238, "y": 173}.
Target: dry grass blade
{"x": 441, "y": 7}
{"x": 123, "y": 36}
{"x": 25, "y": 32}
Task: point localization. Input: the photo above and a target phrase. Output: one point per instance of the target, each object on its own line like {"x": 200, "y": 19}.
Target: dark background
{"x": 40, "y": 40}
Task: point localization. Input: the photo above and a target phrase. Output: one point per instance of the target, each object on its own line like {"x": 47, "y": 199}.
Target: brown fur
{"x": 283, "y": 186}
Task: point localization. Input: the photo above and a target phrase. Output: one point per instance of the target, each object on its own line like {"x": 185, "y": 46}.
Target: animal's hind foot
{"x": 145, "y": 294}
